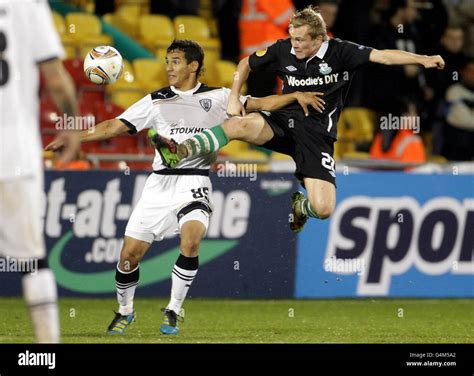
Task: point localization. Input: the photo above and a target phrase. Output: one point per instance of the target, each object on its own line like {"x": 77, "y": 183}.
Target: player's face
{"x": 302, "y": 42}
{"x": 178, "y": 69}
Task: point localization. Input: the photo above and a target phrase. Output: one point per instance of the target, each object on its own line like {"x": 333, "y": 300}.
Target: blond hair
{"x": 310, "y": 16}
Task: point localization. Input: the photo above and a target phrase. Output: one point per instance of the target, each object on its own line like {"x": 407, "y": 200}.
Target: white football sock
{"x": 126, "y": 284}
{"x": 181, "y": 279}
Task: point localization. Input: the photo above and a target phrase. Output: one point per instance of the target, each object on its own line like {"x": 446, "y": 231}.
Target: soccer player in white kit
{"x": 174, "y": 199}
{"x": 29, "y": 43}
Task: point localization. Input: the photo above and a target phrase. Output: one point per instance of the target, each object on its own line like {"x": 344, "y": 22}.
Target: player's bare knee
{"x": 129, "y": 259}
{"x": 322, "y": 208}
{"x": 324, "y": 212}
{"x": 232, "y": 128}
{"x": 190, "y": 246}
{"x": 242, "y": 128}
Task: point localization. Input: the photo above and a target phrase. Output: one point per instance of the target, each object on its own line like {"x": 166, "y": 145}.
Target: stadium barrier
{"x": 392, "y": 234}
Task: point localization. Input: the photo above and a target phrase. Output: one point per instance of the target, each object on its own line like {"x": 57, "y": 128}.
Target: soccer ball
{"x": 103, "y": 65}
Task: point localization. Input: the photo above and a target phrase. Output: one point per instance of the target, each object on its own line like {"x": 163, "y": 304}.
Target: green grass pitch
{"x": 259, "y": 321}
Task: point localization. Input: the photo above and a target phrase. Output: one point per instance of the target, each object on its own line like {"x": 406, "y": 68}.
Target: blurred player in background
{"x": 174, "y": 199}
{"x": 29, "y": 43}
{"x": 307, "y": 61}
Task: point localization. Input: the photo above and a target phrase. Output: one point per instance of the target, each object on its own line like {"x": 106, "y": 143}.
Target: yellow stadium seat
{"x": 240, "y": 151}
{"x": 234, "y": 147}
{"x": 67, "y": 41}
{"x": 140, "y": 3}
{"x": 437, "y": 159}
{"x": 213, "y": 27}
{"x": 191, "y": 26}
{"x": 127, "y": 18}
{"x": 161, "y": 54}
{"x": 357, "y": 123}
{"x": 150, "y": 73}
{"x": 195, "y": 28}
{"x": 69, "y": 45}
{"x": 280, "y": 157}
{"x": 356, "y": 155}
{"x": 123, "y": 86}
{"x": 110, "y": 19}
{"x": 155, "y": 31}
{"x": 211, "y": 56}
{"x": 356, "y": 126}
{"x": 125, "y": 98}
{"x": 226, "y": 70}
{"x": 83, "y": 24}
{"x": 59, "y": 23}
{"x": 210, "y": 75}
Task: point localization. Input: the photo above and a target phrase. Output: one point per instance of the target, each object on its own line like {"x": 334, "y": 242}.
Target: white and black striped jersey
{"x": 180, "y": 115}
{"x": 27, "y": 37}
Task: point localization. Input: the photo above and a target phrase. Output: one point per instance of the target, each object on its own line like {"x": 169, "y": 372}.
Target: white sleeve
{"x": 47, "y": 45}
{"x": 139, "y": 115}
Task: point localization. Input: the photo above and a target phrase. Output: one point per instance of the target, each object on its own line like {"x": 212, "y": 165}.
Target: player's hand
{"x": 313, "y": 99}
{"x": 69, "y": 143}
{"x": 235, "y": 107}
{"x": 434, "y": 61}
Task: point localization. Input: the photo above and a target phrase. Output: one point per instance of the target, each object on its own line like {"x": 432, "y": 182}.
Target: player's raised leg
{"x": 319, "y": 204}
{"x": 251, "y": 128}
{"x": 193, "y": 228}
{"x": 126, "y": 281}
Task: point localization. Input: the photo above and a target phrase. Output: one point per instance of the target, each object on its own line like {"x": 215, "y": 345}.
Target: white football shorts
{"x": 166, "y": 203}
{"x": 21, "y": 233}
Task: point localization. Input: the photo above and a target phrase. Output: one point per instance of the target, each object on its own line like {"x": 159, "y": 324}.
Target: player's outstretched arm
{"x": 398, "y": 57}
{"x": 235, "y": 107}
{"x": 103, "y": 131}
{"x": 274, "y": 102}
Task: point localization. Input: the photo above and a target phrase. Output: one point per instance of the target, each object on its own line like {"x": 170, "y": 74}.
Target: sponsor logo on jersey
{"x": 206, "y": 104}
{"x": 185, "y": 130}
{"x": 324, "y": 68}
{"x": 312, "y": 81}
{"x": 291, "y": 68}
{"x": 261, "y": 53}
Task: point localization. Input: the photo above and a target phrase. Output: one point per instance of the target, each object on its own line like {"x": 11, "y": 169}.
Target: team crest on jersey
{"x": 206, "y": 104}
{"x": 260, "y": 53}
{"x": 324, "y": 68}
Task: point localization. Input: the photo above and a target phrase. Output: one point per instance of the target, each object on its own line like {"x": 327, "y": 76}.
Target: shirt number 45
{"x": 201, "y": 193}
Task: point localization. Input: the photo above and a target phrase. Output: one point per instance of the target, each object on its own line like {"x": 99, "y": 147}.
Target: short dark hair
{"x": 192, "y": 51}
